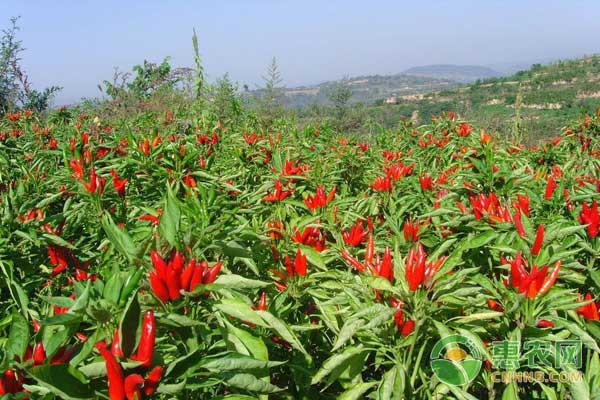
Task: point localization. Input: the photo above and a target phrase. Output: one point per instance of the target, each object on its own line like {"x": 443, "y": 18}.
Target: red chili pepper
{"x": 160, "y": 289}
{"x": 588, "y": 311}
{"x": 114, "y": 372}
{"x": 173, "y": 284}
{"x": 300, "y": 263}
{"x": 39, "y": 354}
{"x": 210, "y": 274}
{"x": 186, "y": 276}
{"x": 550, "y": 187}
{"x": 386, "y": 269}
{"x": 415, "y": 267}
{"x": 177, "y": 262}
{"x": 549, "y": 281}
{"x": 197, "y": 275}
{"x": 353, "y": 261}
{"x": 544, "y": 323}
{"x": 539, "y": 240}
{"x": 159, "y": 265}
{"x": 116, "y": 345}
{"x": 409, "y": 326}
{"x": 133, "y": 385}
{"x": 147, "y": 340}
{"x": 63, "y": 355}
{"x": 288, "y": 267}
{"x": 370, "y": 250}
{"x": 493, "y": 305}
{"x": 9, "y": 382}
{"x": 519, "y": 223}
{"x": 517, "y": 272}
{"x": 262, "y": 302}
{"x": 153, "y": 380}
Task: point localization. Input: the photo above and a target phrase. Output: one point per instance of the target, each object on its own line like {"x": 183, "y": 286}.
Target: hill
{"x": 457, "y": 73}
{"x": 365, "y": 89}
{"x": 546, "y": 97}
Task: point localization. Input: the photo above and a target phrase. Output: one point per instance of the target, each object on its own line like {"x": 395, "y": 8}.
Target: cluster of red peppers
{"x": 417, "y": 271}
{"x": 589, "y": 311}
{"x": 534, "y": 282}
{"x": 296, "y": 268}
{"x": 589, "y": 216}
{"x": 172, "y": 276}
{"x": 278, "y": 194}
{"x": 133, "y": 386}
{"x": 60, "y": 257}
{"x": 357, "y": 233}
{"x": 411, "y": 229}
{"x": 319, "y": 199}
{"x": 11, "y": 382}
{"x": 405, "y": 327}
{"x": 311, "y": 236}
{"x": 95, "y": 183}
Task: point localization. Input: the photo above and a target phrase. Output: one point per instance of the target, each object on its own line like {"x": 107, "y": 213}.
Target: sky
{"x": 77, "y": 44}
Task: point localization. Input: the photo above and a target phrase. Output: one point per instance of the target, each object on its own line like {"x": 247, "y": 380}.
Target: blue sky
{"x": 76, "y": 44}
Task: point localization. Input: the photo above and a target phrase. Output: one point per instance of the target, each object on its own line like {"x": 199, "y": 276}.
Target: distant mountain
{"x": 457, "y": 73}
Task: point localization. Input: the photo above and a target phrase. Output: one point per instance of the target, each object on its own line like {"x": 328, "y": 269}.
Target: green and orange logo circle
{"x": 455, "y": 360}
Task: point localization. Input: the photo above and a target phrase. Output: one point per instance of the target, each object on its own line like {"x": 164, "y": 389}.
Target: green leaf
{"x": 242, "y": 311}
{"x": 58, "y": 241}
{"x": 86, "y": 350}
{"x": 233, "y": 281}
{"x": 357, "y": 391}
{"x": 314, "y": 257}
{"x": 62, "y": 319}
{"x": 348, "y": 330}
{"x": 112, "y": 289}
{"x": 128, "y": 325}
{"x": 119, "y": 238}
{"x": 248, "y": 342}
{"x": 480, "y": 240}
{"x": 63, "y": 381}
{"x": 169, "y": 221}
{"x": 578, "y": 387}
{"x": 477, "y": 317}
{"x": 283, "y": 330}
{"x": 82, "y": 300}
{"x": 234, "y": 361}
{"x": 586, "y": 339}
{"x": 336, "y": 361}
{"x": 18, "y": 338}
{"x": 172, "y": 389}
{"x": 184, "y": 363}
{"x": 251, "y": 383}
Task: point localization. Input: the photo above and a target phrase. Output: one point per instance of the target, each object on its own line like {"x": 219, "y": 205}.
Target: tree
{"x": 270, "y": 102}
{"x": 225, "y": 100}
{"x": 148, "y": 78}
{"x": 346, "y": 117}
{"x": 272, "y": 92}
{"x": 340, "y": 95}
{"x": 15, "y": 88}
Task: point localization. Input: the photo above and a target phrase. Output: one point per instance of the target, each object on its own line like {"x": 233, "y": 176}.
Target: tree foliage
{"x": 16, "y": 91}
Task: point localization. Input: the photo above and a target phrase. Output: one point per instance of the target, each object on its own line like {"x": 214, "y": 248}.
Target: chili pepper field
{"x": 173, "y": 255}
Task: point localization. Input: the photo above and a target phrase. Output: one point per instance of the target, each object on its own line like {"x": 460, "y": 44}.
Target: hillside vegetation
{"x": 457, "y": 73}
{"x": 365, "y": 89}
{"x": 538, "y": 101}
